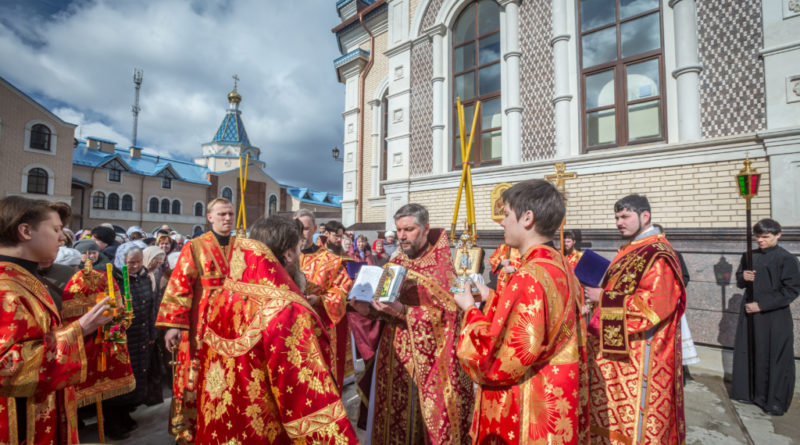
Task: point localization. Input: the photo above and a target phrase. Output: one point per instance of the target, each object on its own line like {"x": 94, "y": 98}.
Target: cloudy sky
{"x": 77, "y": 58}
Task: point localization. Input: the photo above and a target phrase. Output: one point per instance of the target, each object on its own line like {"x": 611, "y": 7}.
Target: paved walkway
{"x": 711, "y": 419}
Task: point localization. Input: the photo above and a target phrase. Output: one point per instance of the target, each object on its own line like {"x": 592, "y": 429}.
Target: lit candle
{"x": 127, "y": 289}
{"x": 110, "y": 277}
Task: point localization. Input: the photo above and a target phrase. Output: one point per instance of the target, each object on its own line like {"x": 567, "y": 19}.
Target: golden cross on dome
{"x": 561, "y": 176}
{"x": 235, "y": 80}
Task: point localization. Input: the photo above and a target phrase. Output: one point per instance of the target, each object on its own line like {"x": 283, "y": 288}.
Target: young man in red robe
{"x": 504, "y": 261}
{"x": 421, "y": 393}
{"x": 40, "y": 359}
{"x": 201, "y": 267}
{"x": 265, "y": 374}
{"x": 571, "y": 251}
{"x": 526, "y": 351}
{"x": 327, "y": 288}
{"x": 636, "y": 386}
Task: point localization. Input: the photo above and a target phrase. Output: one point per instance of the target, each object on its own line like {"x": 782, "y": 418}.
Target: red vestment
{"x": 201, "y": 267}
{"x": 80, "y": 294}
{"x": 638, "y": 348}
{"x": 40, "y": 362}
{"x": 528, "y": 354}
{"x": 422, "y": 394}
{"x": 503, "y": 252}
{"x": 264, "y": 362}
{"x": 574, "y": 257}
{"x": 327, "y": 277}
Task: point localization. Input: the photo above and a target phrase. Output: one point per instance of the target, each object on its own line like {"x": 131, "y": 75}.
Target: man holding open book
{"x": 526, "y": 350}
{"x": 421, "y": 393}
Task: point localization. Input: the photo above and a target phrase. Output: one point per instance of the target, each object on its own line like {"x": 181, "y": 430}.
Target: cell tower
{"x": 137, "y": 81}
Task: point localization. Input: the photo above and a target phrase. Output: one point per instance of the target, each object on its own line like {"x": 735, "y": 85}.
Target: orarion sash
{"x": 622, "y": 280}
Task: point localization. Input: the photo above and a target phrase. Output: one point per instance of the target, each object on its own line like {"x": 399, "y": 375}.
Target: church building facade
{"x": 665, "y": 98}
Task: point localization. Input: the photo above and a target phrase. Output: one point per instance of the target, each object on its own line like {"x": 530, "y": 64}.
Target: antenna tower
{"x": 138, "y": 74}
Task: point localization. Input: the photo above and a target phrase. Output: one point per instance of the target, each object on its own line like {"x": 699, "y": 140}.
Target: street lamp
{"x": 748, "y": 181}
{"x": 335, "y": 152}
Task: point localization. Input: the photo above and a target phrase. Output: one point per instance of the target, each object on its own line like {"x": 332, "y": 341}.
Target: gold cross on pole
{"x": 559, "y": 180}
{"x": 560, "y": 177}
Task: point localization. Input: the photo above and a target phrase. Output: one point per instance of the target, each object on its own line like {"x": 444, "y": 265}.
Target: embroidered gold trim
{"x": 317, "y": 422}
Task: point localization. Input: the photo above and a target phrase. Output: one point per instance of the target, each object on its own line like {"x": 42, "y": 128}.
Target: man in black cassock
{"x": 774, "y": 282}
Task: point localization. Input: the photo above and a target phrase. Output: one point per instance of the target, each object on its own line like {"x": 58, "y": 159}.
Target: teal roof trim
{"x": 304, "y": 194}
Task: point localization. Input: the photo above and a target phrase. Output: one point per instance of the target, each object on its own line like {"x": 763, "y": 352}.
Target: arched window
{"x": 227, "y": 193}
{"x": 165, "y": 205}
{"x": 176, "y": 207}
{"x": 37, "y": 181}
{"x": 98, "y": 200}
{"x": 113, "y": 201}
{"x": 476, "y": 76}
{"x": 40, "y": 137}
{"x": 127, "y": 203}
{"x": 273, "y": 205}
{"x": 152, "y": 206}
{"x": 198, "y": 209}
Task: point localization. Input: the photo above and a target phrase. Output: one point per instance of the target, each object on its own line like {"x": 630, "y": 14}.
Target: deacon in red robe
{"x": 636, "y": 385}
{"x": 201, "y": 267}
{"x": 40, "y": 359}
{"x": 80, "y": 294}
{"x": 526, "y": 350}
{"x": 265, "y": 374}
{"x": 327, "y": 287}
{"x": 421, "y": 393}
{"x": 571, "y": 251}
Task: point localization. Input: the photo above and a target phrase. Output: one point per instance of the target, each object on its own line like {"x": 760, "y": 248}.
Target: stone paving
{"x": 711, "y": 419}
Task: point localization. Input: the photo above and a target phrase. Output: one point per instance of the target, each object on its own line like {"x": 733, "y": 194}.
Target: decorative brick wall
{"x": 421, "y": 109}
{"x": 536, "y": 81}
{"x": 732, "y": 81}
{"x": 696, "y": 196}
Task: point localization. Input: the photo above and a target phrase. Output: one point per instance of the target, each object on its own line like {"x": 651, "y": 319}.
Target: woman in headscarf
{"x": 153, "y": 259}
{"x": 141, "y": 337}
{"x": 379, "y": 253}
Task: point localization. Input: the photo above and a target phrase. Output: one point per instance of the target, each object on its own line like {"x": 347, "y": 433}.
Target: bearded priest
{"x": 265, "y": 371}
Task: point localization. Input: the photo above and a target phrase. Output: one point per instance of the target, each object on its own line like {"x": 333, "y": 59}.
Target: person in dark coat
{"x": 106, "y": 240}
{"x": 773, "y": 281}
{"x": 141, "y": 339}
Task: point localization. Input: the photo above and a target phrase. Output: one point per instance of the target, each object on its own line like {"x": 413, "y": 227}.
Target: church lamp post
{"x": 748, "y": 181}
{"x": 335, "y": 153}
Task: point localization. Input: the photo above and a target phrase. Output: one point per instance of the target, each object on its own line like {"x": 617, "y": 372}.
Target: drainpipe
{"x": 360, "y": 145}
{"x": 141, "y": 203}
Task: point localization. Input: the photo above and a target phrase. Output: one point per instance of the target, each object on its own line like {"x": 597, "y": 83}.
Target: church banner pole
{"x": 559, "y": 179}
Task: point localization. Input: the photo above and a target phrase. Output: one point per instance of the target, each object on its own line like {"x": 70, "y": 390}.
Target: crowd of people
{"x": 262, "y": 337}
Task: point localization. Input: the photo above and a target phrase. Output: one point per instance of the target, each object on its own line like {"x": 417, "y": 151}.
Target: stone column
{"x": 437, "y": 81}
{"x": 512, "y": 153}
{"x": 561, "y": 78}
{"x": 688, "y": 69}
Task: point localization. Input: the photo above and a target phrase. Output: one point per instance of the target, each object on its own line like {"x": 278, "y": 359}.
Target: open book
{"x": 374, "y": 283}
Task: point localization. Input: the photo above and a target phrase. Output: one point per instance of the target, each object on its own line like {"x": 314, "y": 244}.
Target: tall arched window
{"x": 227, "y": 193}
{"x": 476, "y": 76}
{"x": 176, "y": 207}
{"x": 273, "y": 205}
{"x": 152, "y": 206}
{"x": 37, "y": 181}
{"x": 198, "y": 209}
{"x": 127, "y": 203}
{"x": 98, "y": 200}
{"x": 40, "y": 137}
{"x": 113, "y": 201}
{"x": 165, "y": 205}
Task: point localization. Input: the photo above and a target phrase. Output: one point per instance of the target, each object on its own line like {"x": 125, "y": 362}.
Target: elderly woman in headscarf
{"x": 141, "y": 335}
{"x": 154, "y": 257}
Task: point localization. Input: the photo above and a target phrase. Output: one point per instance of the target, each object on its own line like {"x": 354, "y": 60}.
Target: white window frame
{"x": 53, "y": 138}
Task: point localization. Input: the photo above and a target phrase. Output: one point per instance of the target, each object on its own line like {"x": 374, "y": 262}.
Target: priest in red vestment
{"x": 327, "y": 287}
{"x": 527, "y": 350}
{"x": 80, "y": 295}
{"x": 421, "y": 393}
{"x": 504, "y": 261}
{"x": 636, "y": 386}
{"x": 201, "y": 267}
{"x": 571, "y": 251}
{"x": 265, "y": 374}
{"x": 40, "y": 358}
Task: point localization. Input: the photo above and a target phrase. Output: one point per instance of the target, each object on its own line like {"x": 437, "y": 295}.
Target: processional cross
{"x": 559, "y": 180}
